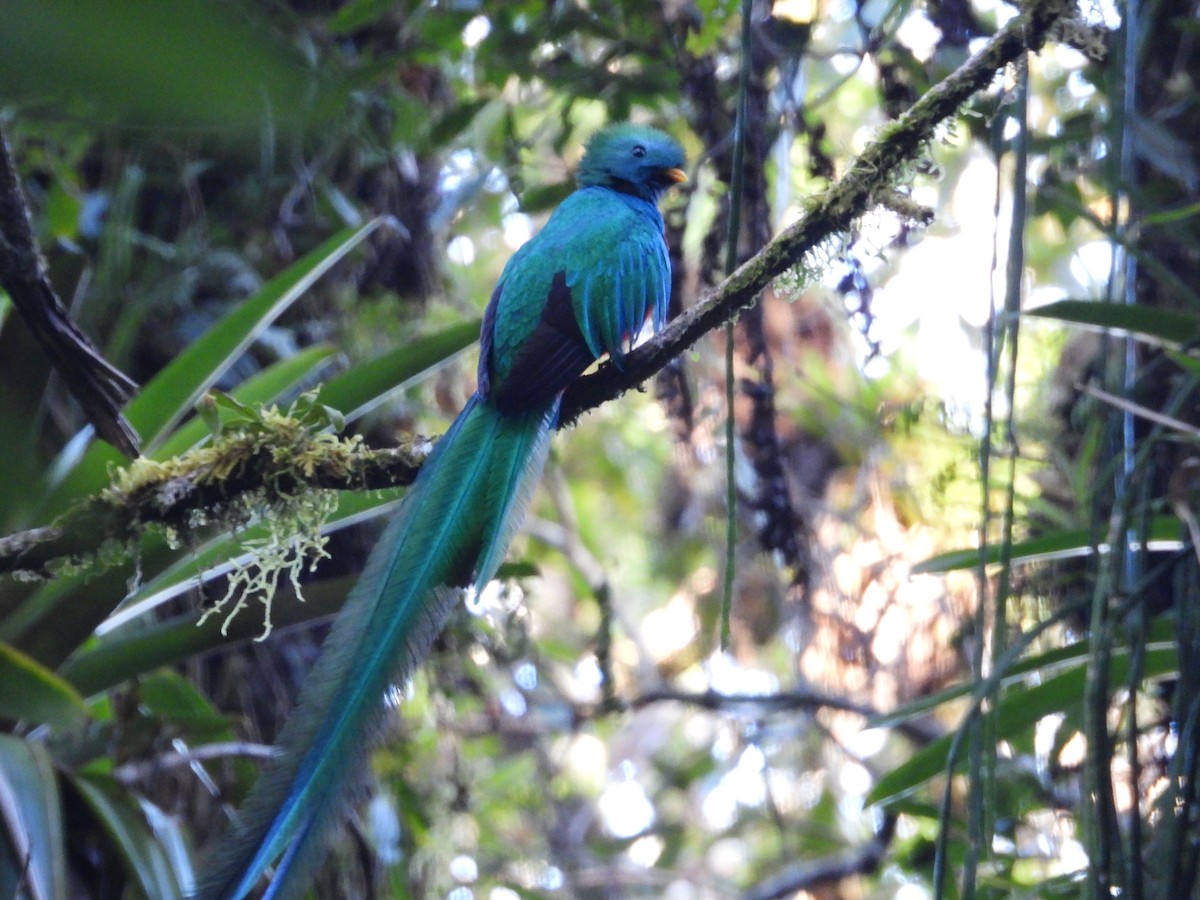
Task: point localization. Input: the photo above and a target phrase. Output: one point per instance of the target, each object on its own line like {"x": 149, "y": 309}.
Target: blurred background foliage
{"x": 266, "y": 198}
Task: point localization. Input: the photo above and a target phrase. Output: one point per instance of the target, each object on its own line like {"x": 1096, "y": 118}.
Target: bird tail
{"x": 452, "y": 530}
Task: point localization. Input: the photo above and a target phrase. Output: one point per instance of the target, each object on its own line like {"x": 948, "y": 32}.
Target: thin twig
{"x": 101, "y": 389}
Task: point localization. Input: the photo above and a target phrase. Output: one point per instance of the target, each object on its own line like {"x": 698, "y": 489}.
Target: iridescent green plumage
{"x": 584, "y": 286}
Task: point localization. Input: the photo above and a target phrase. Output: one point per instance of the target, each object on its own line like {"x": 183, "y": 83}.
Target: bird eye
{"x": 639, "y": 151}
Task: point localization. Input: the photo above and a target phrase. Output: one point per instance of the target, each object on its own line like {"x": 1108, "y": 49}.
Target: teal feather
{"x": 584, "y": 286}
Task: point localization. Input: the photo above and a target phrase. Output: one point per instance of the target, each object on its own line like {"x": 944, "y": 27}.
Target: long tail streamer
{"x": 452, "y": 530}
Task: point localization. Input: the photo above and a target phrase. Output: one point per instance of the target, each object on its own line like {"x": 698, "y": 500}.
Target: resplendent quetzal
{"x": 582, "y": 287}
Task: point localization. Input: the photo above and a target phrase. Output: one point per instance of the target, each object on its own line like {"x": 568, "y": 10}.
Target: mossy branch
{"x": 276, "y": 459}
{"x": 279, "y": 460}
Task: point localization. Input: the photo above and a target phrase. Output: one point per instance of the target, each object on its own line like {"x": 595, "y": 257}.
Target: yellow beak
{"x": 676, "y": 175}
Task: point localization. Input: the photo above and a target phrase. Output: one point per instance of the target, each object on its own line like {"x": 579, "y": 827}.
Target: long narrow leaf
{"x": 216, "y": 557}
{"x": 32, "y": 692}
{"x": 129, "y": 653}
{"x": 268, "y": 386}
{"x": 1045, "y": 664}
{"x": 1019, "y": 710}
{"x": 1165, "y": 534}
{"x": 33, "y": 858}
{"x": 364, "y": 387}
{"x": 174, "y": 391}
{"x": 155, "y": 866}
{"x": 1154, "y": 323}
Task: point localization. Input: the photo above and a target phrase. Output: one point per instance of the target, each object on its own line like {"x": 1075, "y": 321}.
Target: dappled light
{"x": 865, "y": 555}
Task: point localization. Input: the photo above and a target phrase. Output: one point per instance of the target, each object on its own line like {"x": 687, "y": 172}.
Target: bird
{"x": 584, "y": 286}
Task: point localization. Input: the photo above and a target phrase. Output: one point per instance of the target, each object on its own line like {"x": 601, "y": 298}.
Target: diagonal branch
{"x": 99, "y": 386}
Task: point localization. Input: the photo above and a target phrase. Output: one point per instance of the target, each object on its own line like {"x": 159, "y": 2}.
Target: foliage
{"x": 1016, "y": 718}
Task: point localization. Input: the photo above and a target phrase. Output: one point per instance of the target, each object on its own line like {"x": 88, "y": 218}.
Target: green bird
{"x": 584, "y": 286}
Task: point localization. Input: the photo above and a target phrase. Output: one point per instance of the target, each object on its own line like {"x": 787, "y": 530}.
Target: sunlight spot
{"x": 383, "y": 824}
{"x": 476, "y": 30}
{"x": 552, "y": 879}
{"x": 645, "y": 851}
{"x": 586, "y": 761}
{"x": 513, "y": 702}
{"x": 464, "y": 868}
{"x": 671, "y": 628}
{"x": 868, "y": 742}
{"x": 1102, "y": 12}
{"x": 461, "y": 250}
{"x": 625, "y": 808}
{"x": 1091, "y": 263}
{"x": 518, "y": 228}
{"x": 727, "y": 676}
{"x": 526, "y": 676}
{"x": 844, "y": 63}
{"x": 587, "y": 672}
{"x": 919, "y": 35}
{"x": 854, "y": 779}
{"x": 1072, "y": 856}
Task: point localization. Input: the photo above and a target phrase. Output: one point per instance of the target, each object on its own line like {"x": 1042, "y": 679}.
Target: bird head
{"x": 632, "y": 159}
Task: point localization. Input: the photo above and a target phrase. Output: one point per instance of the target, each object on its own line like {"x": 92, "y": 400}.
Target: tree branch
{"x": 827, "y": 870}
{"x": 100, "y": 387}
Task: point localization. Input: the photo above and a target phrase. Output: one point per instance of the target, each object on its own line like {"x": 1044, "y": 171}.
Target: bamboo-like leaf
{"x": 173, "y": 392}
{"x": 1152, "y": 323}
{"x": 369, "y": 384}
{"x": 1165, "y": 532}
{"x": 154, "y": 858}
{"x": 217, "y": 556}
{"x": 35, "y": 694}
{"x": 32, "y": 855}
{"x": 1018, "y": 710}
{"x": 121, "y": 655}
{"x": 1045, "y": 664}
{"x": 268, "y": 386}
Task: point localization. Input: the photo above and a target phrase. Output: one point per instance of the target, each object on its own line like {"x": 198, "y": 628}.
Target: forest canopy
{"x": 872, "y": 573}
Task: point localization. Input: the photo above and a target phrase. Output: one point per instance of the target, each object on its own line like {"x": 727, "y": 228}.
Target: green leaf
{"x": 369, "y": 384}
{"x": 1058, "y": 545}
{"x": 213, "y": 68}
{"x": 1184, "y": 361}
{"x": 173, "y": 392}
{"x": 173, "y": 699}
{"x": 150, "y": 846}
{"x": 1046, "y": 663}
{"x": 35, "y": 694}
{"x": 543, "y": 197}
{"x": 132, "y": 652}
{"x": 356, "y": 14}
{"x": 268, "y": 386}
{"x": 213, "y": 558}
{"x": 126, "y": 648}
{"x": 1154, "y": 323}
{"x": 451, "y": 123}
{"x": 1019, "y": 709}
{"x": 32, "y": 855}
